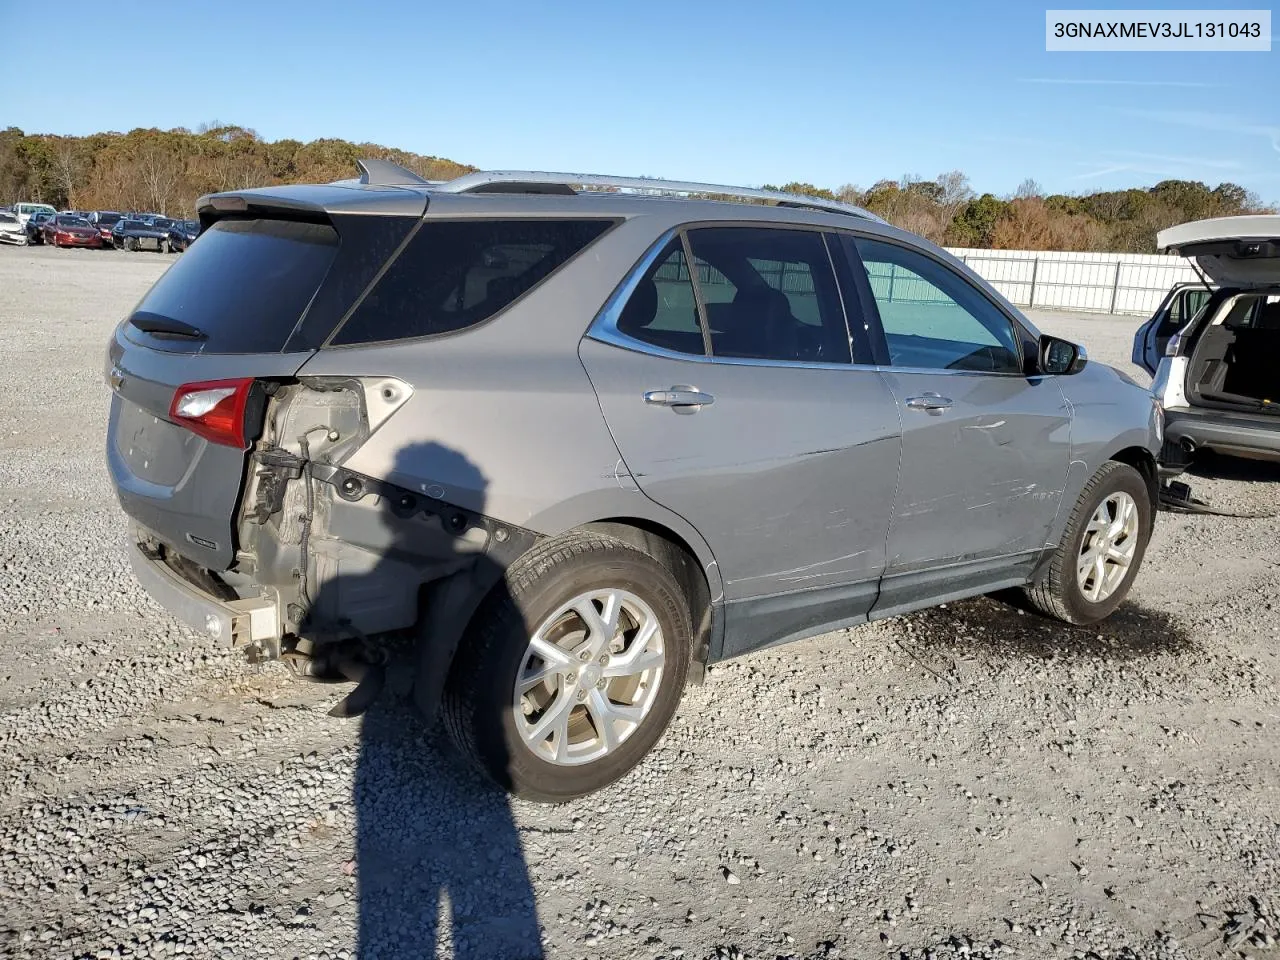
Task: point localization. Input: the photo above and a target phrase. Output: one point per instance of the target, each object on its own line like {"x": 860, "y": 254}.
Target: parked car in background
{"x": 12, "y": 230}
{"x": 182, "y": 233}
{"x": 601, "y": 439}
{"x": 104, "y": 220}
{"x": 35, "y": 226}
{"x": 64, "y": 230}
{"x": 137, "y": 234}
{"x": 26, "y": 210}
{"x": 1214, "y": 351}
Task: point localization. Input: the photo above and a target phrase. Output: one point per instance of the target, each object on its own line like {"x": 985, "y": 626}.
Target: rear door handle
{"x": 930, "y": 402}
{"x": 681, "y": 399}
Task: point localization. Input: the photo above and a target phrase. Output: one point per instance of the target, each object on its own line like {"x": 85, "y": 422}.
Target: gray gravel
{"x": 970, "y": 781}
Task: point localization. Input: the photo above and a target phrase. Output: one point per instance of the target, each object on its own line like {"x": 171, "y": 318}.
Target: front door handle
{"x": 681, "y": 399}
{"x": 930, "y": 402}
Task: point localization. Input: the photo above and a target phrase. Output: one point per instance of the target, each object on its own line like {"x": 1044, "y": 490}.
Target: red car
{"x": 65, "y": 230}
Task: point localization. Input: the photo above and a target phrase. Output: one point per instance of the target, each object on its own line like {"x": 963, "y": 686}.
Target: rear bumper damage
{"x": 379, "y": 560}
{"x": 238, "y": 622}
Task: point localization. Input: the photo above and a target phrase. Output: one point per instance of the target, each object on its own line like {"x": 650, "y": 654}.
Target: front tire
{"x": 571, "y": 669}
{"x": 1095, "y": 564}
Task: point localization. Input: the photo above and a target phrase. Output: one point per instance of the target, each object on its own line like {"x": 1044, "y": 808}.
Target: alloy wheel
{"x": 1109, "y": 544}
{"x": 589, "y": 676}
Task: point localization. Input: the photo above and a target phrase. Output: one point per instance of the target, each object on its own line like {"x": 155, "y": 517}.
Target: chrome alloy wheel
{"x": 589, "y": 677}
{"x": 1110, "y": 541}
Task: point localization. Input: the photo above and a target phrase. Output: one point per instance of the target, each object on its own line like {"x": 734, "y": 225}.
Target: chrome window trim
{"x": 604, "y": 329}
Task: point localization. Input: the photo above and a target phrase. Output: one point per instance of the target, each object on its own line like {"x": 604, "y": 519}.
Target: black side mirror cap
{"x": 1058, "y": 357}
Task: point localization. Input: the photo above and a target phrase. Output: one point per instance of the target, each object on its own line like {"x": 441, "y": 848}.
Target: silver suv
{"x": 581, "y": 442}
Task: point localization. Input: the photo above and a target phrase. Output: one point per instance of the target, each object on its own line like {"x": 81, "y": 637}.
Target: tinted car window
{"x": 662, "y": 309}
{"x": 245, "y": 285}
{"x": 932, "y": 317}
{"x": 770, "y": 295}
{"x": 454, "y": 274}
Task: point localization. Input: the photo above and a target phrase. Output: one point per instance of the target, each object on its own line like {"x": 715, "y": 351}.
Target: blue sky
{"x": 825, "y": 92}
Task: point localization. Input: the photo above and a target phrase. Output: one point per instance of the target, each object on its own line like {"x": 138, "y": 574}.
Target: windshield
{"x": 108, "y": 218}
{"x": 70, "y": 221}
{"x": 8, "y": 218}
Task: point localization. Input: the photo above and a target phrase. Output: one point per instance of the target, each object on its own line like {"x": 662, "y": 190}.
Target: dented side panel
{"x": 981, "y": 479}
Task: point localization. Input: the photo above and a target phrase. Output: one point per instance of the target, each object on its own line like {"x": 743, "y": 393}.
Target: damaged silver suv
{"x": 581, "y": 436}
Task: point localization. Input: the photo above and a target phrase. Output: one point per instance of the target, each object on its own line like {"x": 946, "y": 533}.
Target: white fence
{"x": 1103, "y": 282}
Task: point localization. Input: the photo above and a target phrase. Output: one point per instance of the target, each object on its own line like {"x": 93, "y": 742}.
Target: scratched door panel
{"x": 981, "y": 478}
{"x": 789, "y": 474}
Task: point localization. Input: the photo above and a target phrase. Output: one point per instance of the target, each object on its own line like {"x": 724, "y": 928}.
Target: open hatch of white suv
{"x": 1214, "y": 349}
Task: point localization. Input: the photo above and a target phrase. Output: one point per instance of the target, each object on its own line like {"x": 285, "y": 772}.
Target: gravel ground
{"x": 969, "y": 781}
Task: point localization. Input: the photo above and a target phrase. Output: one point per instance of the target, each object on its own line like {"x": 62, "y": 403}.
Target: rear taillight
{"x": 214, "y": 409}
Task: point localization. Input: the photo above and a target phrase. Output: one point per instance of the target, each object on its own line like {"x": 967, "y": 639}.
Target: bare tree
{"x": 956, "y": 192}
{"x": 159, "y": 173}
{"x": 68, "y": 170}
{"x": 1028, "y": 189}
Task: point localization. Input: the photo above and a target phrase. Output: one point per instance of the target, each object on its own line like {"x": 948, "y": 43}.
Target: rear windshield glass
{"x": 245, "y": 285}
{"x": 455, "y": 274}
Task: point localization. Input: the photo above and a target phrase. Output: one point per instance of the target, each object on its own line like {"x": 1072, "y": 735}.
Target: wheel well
{"x": 1140, "y": 459}
{"x": 671, "y": 549}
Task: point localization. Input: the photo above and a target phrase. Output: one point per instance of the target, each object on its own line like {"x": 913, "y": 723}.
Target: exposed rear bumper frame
{"x": 237, "y": 623}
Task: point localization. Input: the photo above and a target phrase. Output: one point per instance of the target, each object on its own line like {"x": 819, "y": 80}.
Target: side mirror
{"x": 1059, "y": 357}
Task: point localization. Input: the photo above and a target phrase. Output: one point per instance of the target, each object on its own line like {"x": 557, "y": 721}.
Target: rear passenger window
{"x": 455, "y": 274}
{"x": 769, "y": 295}
{"x": 662, "y": 310}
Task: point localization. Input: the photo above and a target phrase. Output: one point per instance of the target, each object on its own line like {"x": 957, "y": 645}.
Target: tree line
{"x": 166, "y": 170}
{"x": 947, "y": 211}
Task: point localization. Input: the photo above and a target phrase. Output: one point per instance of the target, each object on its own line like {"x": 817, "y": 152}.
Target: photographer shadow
{"x": 440, "y": 869}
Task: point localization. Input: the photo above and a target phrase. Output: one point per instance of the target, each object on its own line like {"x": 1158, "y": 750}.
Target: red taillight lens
{"x": 213, "y": 409}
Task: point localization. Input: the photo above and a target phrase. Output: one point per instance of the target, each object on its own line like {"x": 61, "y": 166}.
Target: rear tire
{"x": 1095, "y": 564}
{"x": 546, "y": 705}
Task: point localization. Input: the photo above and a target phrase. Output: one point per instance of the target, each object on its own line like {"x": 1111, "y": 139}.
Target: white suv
{"x": 1214, "y": 349}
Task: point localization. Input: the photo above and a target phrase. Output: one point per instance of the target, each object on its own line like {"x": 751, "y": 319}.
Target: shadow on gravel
{"x": 1208, "y": 466}
{"x": 439, "y": 864}
{"x": 1004, "y": 625}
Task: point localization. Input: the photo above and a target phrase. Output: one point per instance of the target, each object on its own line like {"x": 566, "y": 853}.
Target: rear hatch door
{"x": 254, "y": 299}
{"x": 1238, "y": 252}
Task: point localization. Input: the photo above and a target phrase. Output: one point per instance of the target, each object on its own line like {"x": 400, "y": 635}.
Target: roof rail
{"x": 529, "y": 181}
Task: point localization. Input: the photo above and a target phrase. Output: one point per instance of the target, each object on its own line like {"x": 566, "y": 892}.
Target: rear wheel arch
{"x": 681, "y": 559}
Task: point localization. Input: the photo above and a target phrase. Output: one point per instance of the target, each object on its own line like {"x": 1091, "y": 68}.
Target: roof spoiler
{"x": 386, "y": 173}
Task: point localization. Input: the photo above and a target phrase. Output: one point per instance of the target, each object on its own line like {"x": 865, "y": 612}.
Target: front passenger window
{"x": 933, "y": 318}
